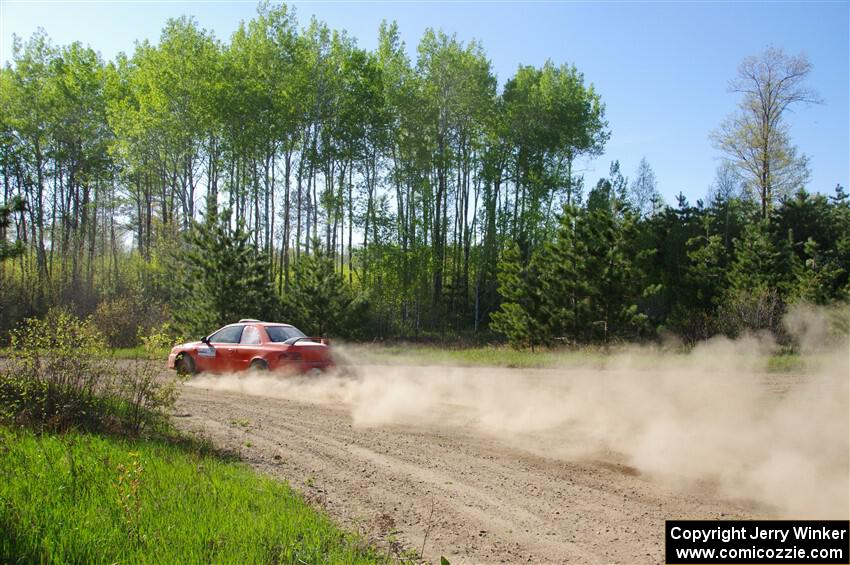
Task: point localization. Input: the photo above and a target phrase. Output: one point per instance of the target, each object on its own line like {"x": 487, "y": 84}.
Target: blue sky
{"x": 662, "y": 68}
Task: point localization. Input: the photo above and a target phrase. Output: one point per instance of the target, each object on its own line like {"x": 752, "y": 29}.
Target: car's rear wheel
{"x": 259, "y": 365}
{"x": 185, "y": 365}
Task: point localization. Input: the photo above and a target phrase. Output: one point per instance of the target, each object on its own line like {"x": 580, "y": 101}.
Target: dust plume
{"x": 713, "y": 417}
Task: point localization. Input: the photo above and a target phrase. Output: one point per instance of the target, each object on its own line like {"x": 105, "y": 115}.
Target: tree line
{"x": 289, "y": 173}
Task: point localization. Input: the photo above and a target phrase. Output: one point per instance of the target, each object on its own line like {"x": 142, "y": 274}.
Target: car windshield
{"x": 282, "y": 333}
{"x": 229, "y": 334}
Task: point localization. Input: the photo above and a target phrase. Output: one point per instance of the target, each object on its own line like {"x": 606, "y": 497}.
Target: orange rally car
{"x": 252, "y": 344}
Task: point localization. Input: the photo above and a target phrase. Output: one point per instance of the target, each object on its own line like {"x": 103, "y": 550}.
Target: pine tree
{"x": 319, "y": 302}
{"x": 224, "y": 277}
{"x": 759, "y": 280}
{"x": 759, "y": 264}
{"x": 815, "y": 278}
{"x": 524, "y": 316}
{"x": 569, "y": 276}
{"x": 703, "y": 286}
{"x": 840, "y": 213}
{"x": 815, "y": 228}
{"x": 616, "y": 266}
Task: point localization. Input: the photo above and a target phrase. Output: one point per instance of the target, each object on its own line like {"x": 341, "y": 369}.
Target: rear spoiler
{"x": 294, "y": 340}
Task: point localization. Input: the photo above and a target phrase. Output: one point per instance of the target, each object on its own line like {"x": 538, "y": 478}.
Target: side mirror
{"x": 206, "y": 340}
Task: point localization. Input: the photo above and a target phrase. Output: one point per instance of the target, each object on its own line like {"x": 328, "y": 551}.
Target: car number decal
{"x": 206, "y": 352}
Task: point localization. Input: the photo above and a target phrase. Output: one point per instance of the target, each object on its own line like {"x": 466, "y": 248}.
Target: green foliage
{"x": 80, "y": 498}
{"x": 60, "y": 377}
{"x": 585, "y": 285}
{"x": 615, "y": 268}
{"x": 756, "y": 138}
{"x": 9, "y": 251}
{"x": 123, "y": 319}
{"x": 224, "y": 278}
{"x": 583, "y": 356}
{"x": 158, "y": 339}
{"x": 818, "y": 230}
{"x": 758, "y": 262}
{"x": 523, "y": 316}
{"x": 408, "y": 177}
{"x": 754, "y": 310}
{"x": 552, "y": 118}
{"x": 56, "y": 366}
{"x": 570, "y": 287}
{"x": 321, "y": 304}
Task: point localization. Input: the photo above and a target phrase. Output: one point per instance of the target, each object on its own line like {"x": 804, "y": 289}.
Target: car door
{"x": 224, "y": 343}
{"x": 247, "y": 349}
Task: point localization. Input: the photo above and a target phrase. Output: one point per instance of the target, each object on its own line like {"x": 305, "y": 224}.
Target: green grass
{"x": 502, "y": 356}
{"x": 789, "y": 363}
{"x": 139, "y": 352}
{"x": 79, "y": 498}
{"x": 492, "y": 356}
{"x": 485, "y": 356}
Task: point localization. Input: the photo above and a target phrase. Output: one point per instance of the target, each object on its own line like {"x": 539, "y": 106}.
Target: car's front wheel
{"x": 185, "y": 365}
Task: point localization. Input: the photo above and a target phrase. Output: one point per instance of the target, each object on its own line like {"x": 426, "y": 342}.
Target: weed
{"x": 60, "y": 377}
{"x": 128, "y": 486}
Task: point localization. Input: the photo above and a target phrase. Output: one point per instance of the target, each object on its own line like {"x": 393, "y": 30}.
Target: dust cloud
{"x": 712, "y": 418}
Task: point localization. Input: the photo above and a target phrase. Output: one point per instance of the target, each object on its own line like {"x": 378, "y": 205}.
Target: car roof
{"x": 259, "y": 323}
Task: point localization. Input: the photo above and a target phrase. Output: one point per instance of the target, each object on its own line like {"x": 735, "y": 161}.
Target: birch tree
{"x": 756, "y": 138}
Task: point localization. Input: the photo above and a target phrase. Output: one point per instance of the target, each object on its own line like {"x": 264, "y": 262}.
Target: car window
{"x": 251, "y": 336}
{"x": 282, "y": 333}
{"x": 230, "y": 334}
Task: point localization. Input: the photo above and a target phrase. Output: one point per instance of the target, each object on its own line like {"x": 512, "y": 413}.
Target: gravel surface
{"x": 449, "y": 487}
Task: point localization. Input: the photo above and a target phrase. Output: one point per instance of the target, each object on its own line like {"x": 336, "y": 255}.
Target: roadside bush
{"x": 121, "y": 320}
{"x": 691, "y": 325}
{"x": 60, "y": 376}
{"x": 157, "y": 339}
{"x": 753, "y": 312}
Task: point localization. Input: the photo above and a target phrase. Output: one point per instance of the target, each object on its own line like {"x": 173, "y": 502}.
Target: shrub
{"x": 60, "y": 377}
{"x": 753, "y": 312}
{"x": 691, "y": 325}
{"x": 121, "y": 320}
{"x": 158, "y": 339}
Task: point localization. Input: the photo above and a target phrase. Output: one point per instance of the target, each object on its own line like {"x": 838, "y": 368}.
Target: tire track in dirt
{"x": 491, "y": 502}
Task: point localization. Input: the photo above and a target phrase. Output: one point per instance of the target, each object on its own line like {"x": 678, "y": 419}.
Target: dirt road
{"x": 415, "y": 466}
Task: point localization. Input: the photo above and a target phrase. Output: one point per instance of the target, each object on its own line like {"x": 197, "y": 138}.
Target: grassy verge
{"x": 80, "y": 498}
{"x": 501, "y": 356}
{"x": 487, "y": 356}
{"x": 140, "y": 352}
{"x": 484, "y": 356}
